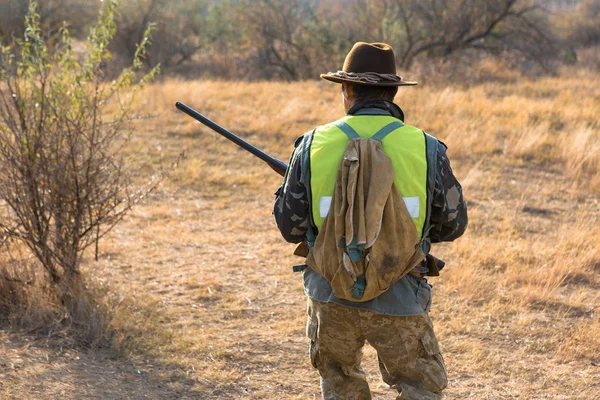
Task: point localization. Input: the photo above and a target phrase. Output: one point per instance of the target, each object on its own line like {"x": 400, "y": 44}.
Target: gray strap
{"x": 431, "y": 145}
{"x": 305, "y": 157}
{"x": 347, "y": 129}
{"x": 386, "y": 130}
{"x": 305, "y": 160}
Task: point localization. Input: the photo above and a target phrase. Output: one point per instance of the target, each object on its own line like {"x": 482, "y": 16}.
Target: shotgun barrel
{"x": 275, "y": 164}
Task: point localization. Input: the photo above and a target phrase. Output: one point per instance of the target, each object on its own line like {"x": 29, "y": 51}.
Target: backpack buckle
{"x": 299, "y": 268}
{"x": 358, "y": 290}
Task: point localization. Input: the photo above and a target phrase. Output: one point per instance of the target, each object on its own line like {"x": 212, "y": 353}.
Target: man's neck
{"x": 387, "y": 106}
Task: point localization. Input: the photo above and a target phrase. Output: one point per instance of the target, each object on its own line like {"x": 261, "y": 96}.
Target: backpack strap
{"x": 311, "y": 234}
{"x": 347, "y": 129}
{"x": 431, "y": 145}
{"x": 358, "y": 290}
{"x": 386, "y": 130}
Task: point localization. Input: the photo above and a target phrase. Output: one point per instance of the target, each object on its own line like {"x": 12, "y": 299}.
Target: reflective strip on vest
{"x": 405, "y": 146}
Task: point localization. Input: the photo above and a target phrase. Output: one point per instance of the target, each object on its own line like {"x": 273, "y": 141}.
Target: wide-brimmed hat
{"x": 371, "y": 64}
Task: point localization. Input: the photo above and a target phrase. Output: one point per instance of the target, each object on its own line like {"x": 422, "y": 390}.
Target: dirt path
{"x": 34, "y": 368}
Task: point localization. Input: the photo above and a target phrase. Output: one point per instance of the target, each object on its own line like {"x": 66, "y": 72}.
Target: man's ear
{"x": 347, "y": 90}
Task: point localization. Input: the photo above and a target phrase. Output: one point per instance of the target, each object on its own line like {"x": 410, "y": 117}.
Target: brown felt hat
{"x": 371, "y": 64}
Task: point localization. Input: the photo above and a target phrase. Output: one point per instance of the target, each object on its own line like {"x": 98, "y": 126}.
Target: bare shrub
{"x": 64, "y": 180}
{"x": 585, "y": 30}
{"x": 181, "y": 30}
{"x": 439, "y": 29}
{"x": 276, "y": 31}
{"x": 580, "y": 33}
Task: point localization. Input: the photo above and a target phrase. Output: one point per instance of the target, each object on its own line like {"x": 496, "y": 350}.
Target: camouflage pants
{"x": 408, "y": 352}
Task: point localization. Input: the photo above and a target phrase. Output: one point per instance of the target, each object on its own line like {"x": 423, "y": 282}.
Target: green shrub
{"x": 63, "y": 173}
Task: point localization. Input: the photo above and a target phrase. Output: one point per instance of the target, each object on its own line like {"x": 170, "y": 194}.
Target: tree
{"x": 179, "y": 29}
{"x": 585, "y": 29}
{"x": 275, "y": 30}
{"x": 296, "y": 39}
{"x": 63, "y": 175}
{"x": 440, "y": 28}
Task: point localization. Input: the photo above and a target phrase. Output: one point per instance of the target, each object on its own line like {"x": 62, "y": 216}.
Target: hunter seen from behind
{"x": 139, "y": 254}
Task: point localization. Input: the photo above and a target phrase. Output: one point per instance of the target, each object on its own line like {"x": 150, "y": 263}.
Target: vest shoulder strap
{"x": 386, "y": 130}
{"x": 347, "y": 129}
{"x": 379, "y": 135}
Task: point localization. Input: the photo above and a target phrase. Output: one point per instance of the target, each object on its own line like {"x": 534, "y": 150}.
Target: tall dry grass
{"x": 201, "y": 274}
{"x": 79, "y": 316}
{"x": 528, "y": 155}
{"x": 550, "y": 121}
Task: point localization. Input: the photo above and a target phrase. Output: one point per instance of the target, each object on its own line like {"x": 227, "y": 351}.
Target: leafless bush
{"x": 585, "y": 26}
{"x": 181, "y": 30}
{"x": 439, "y": 29}
{"x": 276, "y": 30}
{"x": 64, "y": 180}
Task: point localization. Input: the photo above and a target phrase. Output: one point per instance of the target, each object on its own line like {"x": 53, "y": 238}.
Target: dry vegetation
{"x": 205, "y": 303}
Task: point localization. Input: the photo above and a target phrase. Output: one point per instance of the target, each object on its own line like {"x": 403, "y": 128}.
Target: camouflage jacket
{"x": 448, "y": 213}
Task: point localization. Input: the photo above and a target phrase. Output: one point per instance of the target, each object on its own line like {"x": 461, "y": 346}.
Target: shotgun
{"x": 275, "y": 164}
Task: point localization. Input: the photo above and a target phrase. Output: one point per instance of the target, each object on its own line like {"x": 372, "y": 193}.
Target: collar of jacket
{"x": 377, "y": 107}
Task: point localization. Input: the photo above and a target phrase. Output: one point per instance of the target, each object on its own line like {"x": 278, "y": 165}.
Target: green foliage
{"x": 63, "y": 175}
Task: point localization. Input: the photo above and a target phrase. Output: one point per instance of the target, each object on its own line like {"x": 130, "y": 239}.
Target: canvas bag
{"x": 368, "y": 240}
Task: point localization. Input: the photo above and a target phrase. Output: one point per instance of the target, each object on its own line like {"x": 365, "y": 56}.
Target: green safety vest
{"x": 404, "y": 144}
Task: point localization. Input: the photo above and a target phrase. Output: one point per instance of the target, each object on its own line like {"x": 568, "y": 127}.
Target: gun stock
{"x": 275, "y": 164}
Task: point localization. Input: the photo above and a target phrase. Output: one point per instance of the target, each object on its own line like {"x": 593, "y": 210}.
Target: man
{"x": 396, "y": 323}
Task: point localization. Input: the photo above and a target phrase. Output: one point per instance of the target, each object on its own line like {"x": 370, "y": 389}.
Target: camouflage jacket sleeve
{"x": 448, "y": 210}
{"x": 291, "y": 200}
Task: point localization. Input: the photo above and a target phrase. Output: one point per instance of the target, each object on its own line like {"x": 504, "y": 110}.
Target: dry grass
{"x": 77, "y": 316}
{"x": 210, "y": 308}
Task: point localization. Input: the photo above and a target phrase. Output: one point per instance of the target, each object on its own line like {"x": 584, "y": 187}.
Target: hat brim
{"x": 337, "y": 79}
